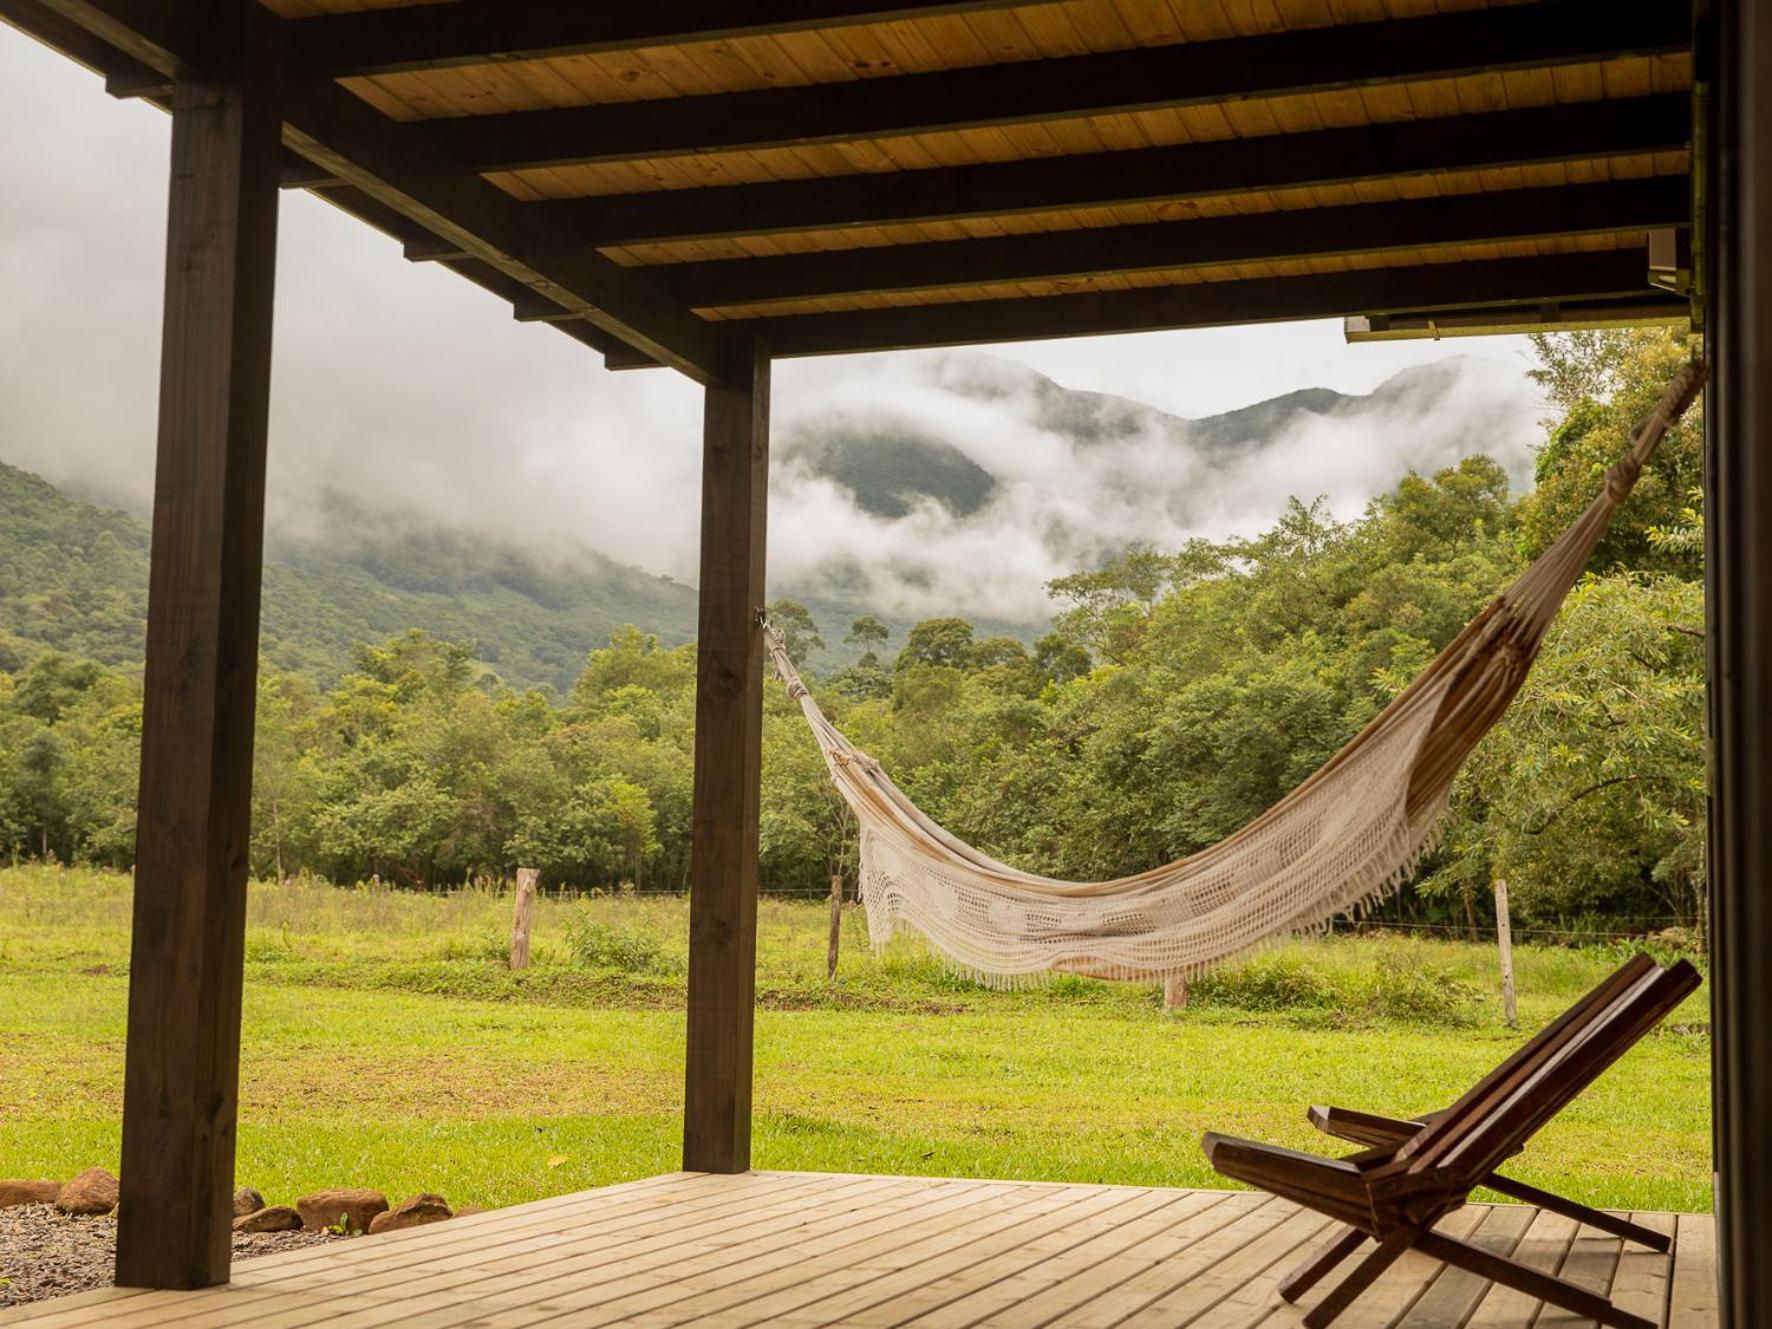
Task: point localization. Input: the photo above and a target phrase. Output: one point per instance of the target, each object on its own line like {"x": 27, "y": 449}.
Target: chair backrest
{"x": 1498, "y": 1082}
{"x": 1457, "y": 1152}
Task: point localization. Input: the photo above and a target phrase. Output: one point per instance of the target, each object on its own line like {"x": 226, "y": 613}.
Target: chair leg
{"x": 1595, "y": 1218}
{"x": 1362, "y": 1277}
{"x": 1331, "y": 1253}
{"x": 1532, "y": 1282}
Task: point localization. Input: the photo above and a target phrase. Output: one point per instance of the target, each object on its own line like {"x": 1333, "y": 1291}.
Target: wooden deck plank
{"x": 896, "y": 1275}
{"x": 613, "y": 1201}
{"x": 1692, "y": 1301}
{"x": 1543, "y": 1247}
{"x": 1115, "y": 1259}
{"x": 37, "y": 1311}
{"x": 1399, "y": 1289}
{"x": 584, "y": 1222}
{"x": 586, "y": 1297}
{"x": 659, "y": 1278}
{"x": 1134, "y": 1294}
{"x": 1454, "y": 1294}
{"x": 1591, "y": 1262}
{"x": 965, "y": 1297}
{"x": 1200, "y": 1296}
{"x": 1641, "y": 1284}
{"x": 476, "y": 1270}
{"x": 812, "y": 1251}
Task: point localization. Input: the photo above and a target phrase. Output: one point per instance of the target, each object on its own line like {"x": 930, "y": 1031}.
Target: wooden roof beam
{"x": 1191, "y": 73}
{"x": 372, "y": 154}
{"x": 477, "y": 32}
{"x": 418, "y": 244}
{"x": 1515, "y": 214}
{"x": 1578, "y": 132}
{"x": 1420, "y": 287}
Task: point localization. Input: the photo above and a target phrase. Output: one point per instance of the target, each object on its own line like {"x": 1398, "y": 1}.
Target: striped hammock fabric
{"x": 1349, "y": 835}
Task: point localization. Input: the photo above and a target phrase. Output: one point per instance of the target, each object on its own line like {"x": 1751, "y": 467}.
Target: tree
{"x": 1633, "y": 368}
{"x": 942, "y": 643}
{"x": 1592, "y": 788}
{"x": 869, "y": 633}
{"x": 1060, "y": 660}
{"x": 799, "y": 634}
{"x": 1111, "y": 606}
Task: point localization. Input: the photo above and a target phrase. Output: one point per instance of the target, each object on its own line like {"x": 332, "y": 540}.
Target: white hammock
{"x": 1346, "y": 837}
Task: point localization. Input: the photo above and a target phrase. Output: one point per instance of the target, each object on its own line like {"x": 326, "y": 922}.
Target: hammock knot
{"x": 797, "y": 690}
{"x": 1621, "y": 478}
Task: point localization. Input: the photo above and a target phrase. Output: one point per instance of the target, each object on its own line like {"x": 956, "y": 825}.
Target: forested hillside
{"x": 73, "y": 578}
{"x": 1181, "y": 692}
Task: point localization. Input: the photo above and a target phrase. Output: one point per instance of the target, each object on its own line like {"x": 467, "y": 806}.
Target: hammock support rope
{"x": 1347, "y": 837}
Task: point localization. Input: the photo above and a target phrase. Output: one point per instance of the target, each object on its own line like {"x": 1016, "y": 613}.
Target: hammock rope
{"x": 1348, "y": 836}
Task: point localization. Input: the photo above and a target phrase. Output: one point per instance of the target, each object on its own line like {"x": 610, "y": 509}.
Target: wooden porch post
{"x": 728, "y": 766}
{"x": 1735, "y": 57}
{"x": 182, "y": 1064}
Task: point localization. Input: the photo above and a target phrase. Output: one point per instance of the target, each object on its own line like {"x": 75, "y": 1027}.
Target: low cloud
{"x": 1062, "y": 503}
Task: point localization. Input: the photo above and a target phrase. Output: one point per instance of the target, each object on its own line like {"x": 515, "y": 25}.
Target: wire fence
{"x": 1622, "y": 930}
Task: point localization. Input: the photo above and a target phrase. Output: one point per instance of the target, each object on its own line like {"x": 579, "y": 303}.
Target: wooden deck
{"x": 807, "y": 1249}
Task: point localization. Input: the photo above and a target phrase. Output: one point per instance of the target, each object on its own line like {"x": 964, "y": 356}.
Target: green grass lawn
{"x": 385, "y": 1044}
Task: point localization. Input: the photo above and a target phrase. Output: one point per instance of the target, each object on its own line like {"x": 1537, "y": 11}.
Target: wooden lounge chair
{"x": 1417, "y": 1172}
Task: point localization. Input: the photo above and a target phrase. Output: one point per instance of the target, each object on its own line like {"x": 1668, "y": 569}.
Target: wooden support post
{"x": 523, "y": 916}
{"x": 728, "y": 766}
{"x": 1735, "y": 66}
{"x": 182, "y": 1062}
{"x": 1504, "y": 937}
{"x": 830, "y": 959}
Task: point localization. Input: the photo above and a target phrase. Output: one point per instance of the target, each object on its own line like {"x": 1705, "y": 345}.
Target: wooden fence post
{"x": 1504, "y": 935}
{"x": 830, "y": 962}
{"x": 524, "y": 917}
{"x": 1175, "y": 992}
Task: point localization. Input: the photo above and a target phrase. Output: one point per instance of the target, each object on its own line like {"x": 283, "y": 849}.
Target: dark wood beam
{"x": 476, "y": 32}
{"x": 37, "y": 19}
{"x": 1577, "y": 132}
{"x": 370, "y": 152}
{"x": 1513, "y": 214}
{"x": 361, "y": 148}
{"x": 1526, "y": 281}
{"x": 299, "y": 173}
{"x": 181, "y": 1072}
{"x": 1187, "y": 74}
{"x": 1656, "y": 308}
{"x": 158, "y": 35}
{"x": 1736, "y": 74}
{"x": 427, "y": 248}
{"x": 728, "y": 767}
{"x": 414, "y": 241}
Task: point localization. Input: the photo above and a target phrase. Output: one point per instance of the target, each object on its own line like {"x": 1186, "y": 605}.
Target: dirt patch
{"x": 45, "y": 1253}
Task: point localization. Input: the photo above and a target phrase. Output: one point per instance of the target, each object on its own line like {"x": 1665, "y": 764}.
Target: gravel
{"x": 46, "y": 1253}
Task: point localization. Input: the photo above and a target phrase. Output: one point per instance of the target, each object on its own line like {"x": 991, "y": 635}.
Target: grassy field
{"x": 386, "y": 1044}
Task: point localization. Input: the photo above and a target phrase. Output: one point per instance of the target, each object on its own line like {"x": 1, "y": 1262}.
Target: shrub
{"x": 1269, "y": 981}
{"x": 1414, "y": 993}
{"x": 596, "y": 945}
{"x": 1394, "y": 985}
{"x": 488, "y": 946}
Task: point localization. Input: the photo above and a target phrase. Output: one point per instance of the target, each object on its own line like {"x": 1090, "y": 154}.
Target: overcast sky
{"x": 406, "y": 385}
